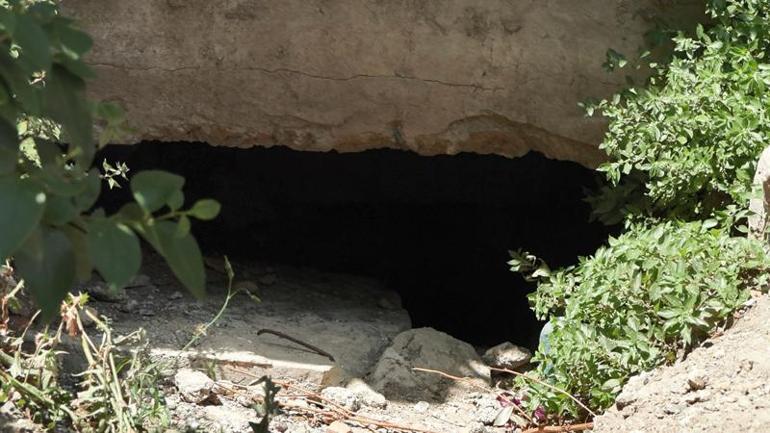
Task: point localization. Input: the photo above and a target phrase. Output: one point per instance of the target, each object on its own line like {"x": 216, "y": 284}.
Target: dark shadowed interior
{"x": 436, "y": 229}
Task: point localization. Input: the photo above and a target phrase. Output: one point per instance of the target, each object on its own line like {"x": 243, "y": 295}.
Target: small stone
{"x": 268, "y": 279}
{"x": 129, "y": 307}
{"x": 507, "y": 355}
{"x": 421, "y": 406}
{"x": 100, "y": 291}
{"x": 487, "y": 408}
{"x": 176, "y": 295}
{"x": 146, "y": 312}
{"x": 697, "y": 380}
{"x": 369, "y": 397}
{"x": 194, "y": 386}
{"x": 338, "y": 427}
{"x": 344, "y": 397}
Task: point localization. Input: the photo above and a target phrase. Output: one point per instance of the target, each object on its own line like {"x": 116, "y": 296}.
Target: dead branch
{"x": 561, "y": 428}
{"x": 297, "y": 341}
{"x": 335, "y": 411}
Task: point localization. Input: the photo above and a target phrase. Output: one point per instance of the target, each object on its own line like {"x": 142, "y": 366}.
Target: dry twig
{"x": 561, "y": 428}
{"x": 297, "y": 341}
{"x": 336, "y": 412}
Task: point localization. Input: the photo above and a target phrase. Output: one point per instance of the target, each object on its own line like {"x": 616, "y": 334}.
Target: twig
{"x": 339, "y": 411}
{"x": 547, "y": 385}
{"x": 561, "y": 428}
{"x": 465, "y": 380}
{"x": 297, "y": 341}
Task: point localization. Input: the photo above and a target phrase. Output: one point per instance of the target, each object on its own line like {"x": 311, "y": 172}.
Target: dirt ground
{"x": 723, "y": 386}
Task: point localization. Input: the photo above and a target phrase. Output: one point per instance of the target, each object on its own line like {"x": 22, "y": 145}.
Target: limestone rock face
{"x": 433, "y": 76}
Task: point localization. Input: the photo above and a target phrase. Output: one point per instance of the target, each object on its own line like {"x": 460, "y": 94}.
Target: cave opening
{"x": 436, "y": 229}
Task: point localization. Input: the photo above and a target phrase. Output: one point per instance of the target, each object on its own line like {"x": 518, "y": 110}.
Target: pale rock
{"x": 194, "y": 386}
{"x": 507, "y": 355}
{"x": 338, "y": 427}
{"x": 369, "y": 397}
{"x": 427, "y": 348}
{"x": 421, "y": 406}
{"x": 394, "y": 374}
{"x": 344, "y": 397}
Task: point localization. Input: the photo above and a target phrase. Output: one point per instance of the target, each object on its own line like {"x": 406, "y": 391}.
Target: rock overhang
{"x": 434, "y": 77}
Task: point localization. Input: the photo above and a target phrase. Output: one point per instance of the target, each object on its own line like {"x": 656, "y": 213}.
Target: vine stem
{"x": 230, "y": 295}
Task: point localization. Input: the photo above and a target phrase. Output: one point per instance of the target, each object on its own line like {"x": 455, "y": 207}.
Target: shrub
{"x": 650, "y": 294}
{"x": 686, "y": 144}
{"x": 682, "y": 148}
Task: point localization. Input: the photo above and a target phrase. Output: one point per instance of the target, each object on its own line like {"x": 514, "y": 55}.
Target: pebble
{"x": 130, "y": 306}
{"x": 696, "y": 380}
{"x": 338, "y": 427}
{"x": 344, "y": 397}
{"x": 194, "y": 386}
{"x": 421, "y": 406}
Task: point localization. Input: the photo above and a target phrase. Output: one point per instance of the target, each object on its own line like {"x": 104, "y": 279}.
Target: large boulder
{"x": 432, "y": 76}
{"x": 426, "y": 348}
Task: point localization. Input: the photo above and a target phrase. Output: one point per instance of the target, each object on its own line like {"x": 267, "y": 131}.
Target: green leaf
{"x": 183, "y": 227}
{"x": 74, "y": 42}
{"x": 9, "y": 148}
{"x": 114, "y": 251}
{"x": 7, "y": 21}
{"x": 21, "y": 207}
{"x": 153, "y": 189}
{"x": 47, "y": 264}
{"x": 64, "y": 102}
{"x": 90, "y": 193}
{"x": 79, "y": 242}
{"x": 176, "y": 201}
{"x": 206, "y": 209}
{"x": 182, "y": 254}
{"x": 59, "y": 210}
{"x": 35, "y": 51}
{"x": 27, "y": 96}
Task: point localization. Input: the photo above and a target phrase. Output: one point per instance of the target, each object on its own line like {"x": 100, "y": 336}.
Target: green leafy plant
{"x": 47, "y": 183}
{"x": 650, "y": 294}
{"x": 685, "y": 145}
{"x": 682, "y": 152}
{"x": 116, "y": 393}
